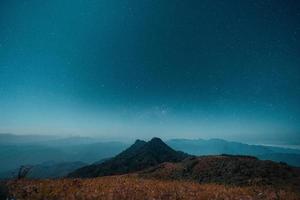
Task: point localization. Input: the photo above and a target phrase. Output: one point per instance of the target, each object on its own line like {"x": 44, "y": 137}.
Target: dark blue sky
{"x": 137, "y": 69}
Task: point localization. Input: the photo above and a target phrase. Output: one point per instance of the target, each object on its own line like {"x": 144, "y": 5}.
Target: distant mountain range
{"x": 18, "y": 150}
{"x": 219, "y": 146}
{"x": 138, "y": 156}
{"x": 46, "y": 170}
{"x": 22, "y": 150}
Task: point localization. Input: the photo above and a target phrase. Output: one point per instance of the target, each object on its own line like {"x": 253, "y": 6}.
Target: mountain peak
{"x": 139, "y": 141}
{"x": 156, "y": 140}
{"x": 157, "y": 144}
{"x": 138, "y": 156}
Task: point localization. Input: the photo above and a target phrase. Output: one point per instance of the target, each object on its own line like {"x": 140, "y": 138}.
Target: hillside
{"x": 134, "y": 188}
{"x": 139, "y": 156}
{"x": 226, "y": 169}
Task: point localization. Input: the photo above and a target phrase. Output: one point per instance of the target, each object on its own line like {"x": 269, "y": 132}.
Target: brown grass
{"x": 133, "y": 188}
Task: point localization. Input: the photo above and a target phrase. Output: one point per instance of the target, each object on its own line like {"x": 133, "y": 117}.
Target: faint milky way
{"x": 170, "y": 68}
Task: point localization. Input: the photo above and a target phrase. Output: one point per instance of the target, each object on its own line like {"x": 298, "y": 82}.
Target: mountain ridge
{"x": 226, "y": 169}
{"x": 138, "y": 156}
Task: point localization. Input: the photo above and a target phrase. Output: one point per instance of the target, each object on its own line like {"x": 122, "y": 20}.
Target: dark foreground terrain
{"x": 131, "y": 187}
{"x": 226, "y": 169}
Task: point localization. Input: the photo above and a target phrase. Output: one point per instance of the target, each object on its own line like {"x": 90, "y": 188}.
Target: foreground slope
{"x": 140, "y": 155}
{"x": 134, "y": 188}
{"x": 227, "y": 169}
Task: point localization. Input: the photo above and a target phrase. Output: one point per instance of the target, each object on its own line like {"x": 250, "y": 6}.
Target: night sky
{"x": 125, "y": 69}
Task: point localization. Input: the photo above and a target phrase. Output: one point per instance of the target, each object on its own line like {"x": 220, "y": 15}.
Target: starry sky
{"x": 141, "y": 68}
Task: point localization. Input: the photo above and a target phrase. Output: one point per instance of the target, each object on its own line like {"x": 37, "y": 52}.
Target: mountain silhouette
{"x": 139, "y": 156}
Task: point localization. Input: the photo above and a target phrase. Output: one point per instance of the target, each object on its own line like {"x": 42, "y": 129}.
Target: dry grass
{"x": 133, "y": 188}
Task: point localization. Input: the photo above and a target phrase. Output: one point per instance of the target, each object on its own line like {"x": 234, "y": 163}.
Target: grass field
{"x": 133, "y": 188}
